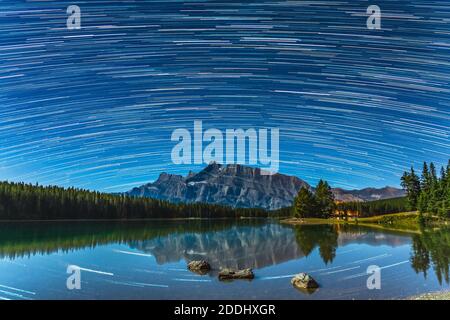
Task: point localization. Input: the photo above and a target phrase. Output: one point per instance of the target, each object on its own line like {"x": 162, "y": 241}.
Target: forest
{"x": 20, "y": 201}
{"x": 321, "y": 204}
{"x": 428, "y": 193}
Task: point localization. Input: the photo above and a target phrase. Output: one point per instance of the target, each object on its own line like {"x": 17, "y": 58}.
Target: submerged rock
{"x": 199, "y": 266}
{"x": 230, "y": 274}
{"x": 304, "y": 281}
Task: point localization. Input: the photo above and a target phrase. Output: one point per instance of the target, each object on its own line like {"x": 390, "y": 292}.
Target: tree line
{"x": 321, "y": 204}
{"x": 20, "y": 201}
{"x": 429, "y": 193}
{"x": 372, "y": 208}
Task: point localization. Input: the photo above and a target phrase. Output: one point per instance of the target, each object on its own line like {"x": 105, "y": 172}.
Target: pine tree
{"x": 447, "y": 174}
{"x": 443, "y": 175}
{"x": 425, "y": 182}
{"x": 411, "y": 184}
{"x": 447, "y": 191}
{"x": 425, "y": 186}
{"x": 443, "y": 205}
{"x": 324, "y": 200}
{"x": 304, "y": 203}
{"x": 434, "y": 198}
{"x": 433, "y": 193}
{"x": 433, "y": 177}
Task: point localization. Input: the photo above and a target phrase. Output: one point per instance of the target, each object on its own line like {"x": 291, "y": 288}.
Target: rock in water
{"x": 229, "y": 274}
{"x": 200, "y": 266}
{"x": 304, "y": 281}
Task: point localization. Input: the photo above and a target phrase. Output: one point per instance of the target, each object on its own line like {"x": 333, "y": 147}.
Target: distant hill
{"x": 243, "y": 187}
{"x": 367, "y": 194}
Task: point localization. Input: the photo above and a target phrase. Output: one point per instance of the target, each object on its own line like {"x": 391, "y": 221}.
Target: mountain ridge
{"x": 241, "y": 186}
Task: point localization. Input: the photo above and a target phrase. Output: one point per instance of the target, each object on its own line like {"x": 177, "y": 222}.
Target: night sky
{"x": 95, "y": 108}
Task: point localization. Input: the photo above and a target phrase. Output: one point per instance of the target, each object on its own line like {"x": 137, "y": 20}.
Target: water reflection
{"x": 431, "y": 249}
{"x": 325, "y": 237}
{"x": 235, "y": 247}
{"x": 224, "y": 243}
{"x": 31, "y": 238}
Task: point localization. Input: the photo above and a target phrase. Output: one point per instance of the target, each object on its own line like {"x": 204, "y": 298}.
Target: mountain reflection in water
{"x": 224, "y": 243}
{"x": 249, "y": 247}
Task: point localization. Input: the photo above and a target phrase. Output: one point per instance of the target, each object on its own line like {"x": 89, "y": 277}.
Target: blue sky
{"x": 95, "y": 108}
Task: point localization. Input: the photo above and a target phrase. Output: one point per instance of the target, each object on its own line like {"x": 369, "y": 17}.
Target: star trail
{"x": 95, "y": 107}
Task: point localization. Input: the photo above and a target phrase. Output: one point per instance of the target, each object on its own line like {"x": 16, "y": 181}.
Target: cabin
{"x": 343, "y": 214}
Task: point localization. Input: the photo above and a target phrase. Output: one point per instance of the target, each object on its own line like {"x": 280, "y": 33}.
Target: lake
{"x": 147, "y": 260}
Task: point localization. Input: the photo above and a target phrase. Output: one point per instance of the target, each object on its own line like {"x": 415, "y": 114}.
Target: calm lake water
{"x": 147, "y": 260}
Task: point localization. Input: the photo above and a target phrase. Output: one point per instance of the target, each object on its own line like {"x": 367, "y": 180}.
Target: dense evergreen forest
{"x": 19, "y": 201}
{"x": 429, "y": 193}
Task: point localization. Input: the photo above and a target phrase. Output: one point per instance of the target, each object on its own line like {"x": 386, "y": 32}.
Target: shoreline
{"x": 136, "y": 220}
{"x": 369, "y": 225}
{"x": 401, "y": 222}
{"x": 437, "y": 295}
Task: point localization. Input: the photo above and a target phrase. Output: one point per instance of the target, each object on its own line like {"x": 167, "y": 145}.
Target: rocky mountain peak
{"x": 237, "y": 185}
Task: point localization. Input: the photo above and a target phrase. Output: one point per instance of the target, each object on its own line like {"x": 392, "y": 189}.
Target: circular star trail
{"x": 95, "y": 107}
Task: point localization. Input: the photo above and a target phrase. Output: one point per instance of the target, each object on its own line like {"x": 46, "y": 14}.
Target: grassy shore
{"x": 440, "y": 295}
{"x": 404, "y": 221}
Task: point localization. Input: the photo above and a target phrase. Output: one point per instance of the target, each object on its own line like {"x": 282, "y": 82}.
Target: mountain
{"x": 243, "y": 187}
{"x": 232, "y": 185}
{"x": 367, "y": 194}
